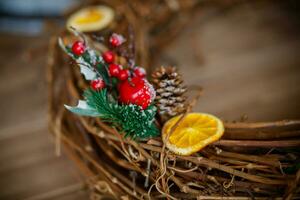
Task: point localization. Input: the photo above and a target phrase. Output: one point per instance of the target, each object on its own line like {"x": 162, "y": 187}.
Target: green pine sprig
{"x": 130, "y": 119}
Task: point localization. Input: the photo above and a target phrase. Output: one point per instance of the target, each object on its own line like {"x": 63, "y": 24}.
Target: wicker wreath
{"x": 251, "y": 159}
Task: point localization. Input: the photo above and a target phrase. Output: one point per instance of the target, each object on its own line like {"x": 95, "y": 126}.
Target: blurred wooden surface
{"x": 29, "y": 168}
{"x": 246, "y": 59}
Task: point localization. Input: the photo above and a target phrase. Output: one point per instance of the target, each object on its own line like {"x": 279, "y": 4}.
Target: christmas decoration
{"x": 136, "y": 91}
{"x": 109, "y": 56}
{"x": 97, "y": 84}
{"x": 130, "y": 119}
{"x": 140, "y": 72}
{"x": 170, "y": 91}
{"x": 116, "y": 40}
{"x": 196, "y": 131}
{"x": 133, "y": 114}
{"x": 124, "y": 74}
{"x": 90, "y": 19}
{"x": 251, "y": 160}
{"x": 78, "y": 48}
{"x": 114, "y": 69}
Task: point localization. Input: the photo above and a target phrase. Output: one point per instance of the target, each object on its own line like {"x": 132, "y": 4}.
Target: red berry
{"x": 108, "y": 56}
{"x": 97, "y": 84}
{"x": 140, "y": 72}
{"x": 78, "y": 48}
{"x": 137, "y": 91}
{"x": 114, "y": 69}
{"x": 116, "y": 40}
{"x": 124, "y": 74}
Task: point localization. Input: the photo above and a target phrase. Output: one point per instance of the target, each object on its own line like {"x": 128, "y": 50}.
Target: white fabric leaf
{"x": 88, "y": 73}
{"x": 84, "y": 109}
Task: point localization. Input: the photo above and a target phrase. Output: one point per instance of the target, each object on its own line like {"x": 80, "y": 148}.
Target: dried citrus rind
{"x": 193, "y": 133}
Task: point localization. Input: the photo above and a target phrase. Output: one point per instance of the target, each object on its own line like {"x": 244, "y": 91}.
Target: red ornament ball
{"x": 138, "y": 91}
{"x": 114, "y": 69}
{"x": 124, "y": 74}
{"x": 97, "y": 84}
{"x": 78, "y": 48}
{"x": 108, "y": 56}
{"x": 140, "y": 72}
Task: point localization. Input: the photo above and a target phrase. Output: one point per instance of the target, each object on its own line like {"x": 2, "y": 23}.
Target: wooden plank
{"x": 28, "y": 165}
{"x": 249, "y": 65}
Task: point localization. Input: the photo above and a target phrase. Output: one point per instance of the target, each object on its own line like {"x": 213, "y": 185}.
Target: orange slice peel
{"x": 92, "y": 18}
{"x": 194, "y": 132}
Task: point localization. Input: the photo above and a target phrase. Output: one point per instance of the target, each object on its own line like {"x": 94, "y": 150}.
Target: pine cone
{"x": 170, "y": 99}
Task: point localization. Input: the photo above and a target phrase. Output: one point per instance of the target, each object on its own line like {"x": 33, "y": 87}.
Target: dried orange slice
{"x": 92, "y": 18}
{"x": 194, "y": 132}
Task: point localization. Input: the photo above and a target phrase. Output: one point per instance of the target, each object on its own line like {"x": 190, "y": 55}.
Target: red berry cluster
{"x": 133, "y": 87}
{"x": 117, "y": 71}
{"x": 123, "y": 74}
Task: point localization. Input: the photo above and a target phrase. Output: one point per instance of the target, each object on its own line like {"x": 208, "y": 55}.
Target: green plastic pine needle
{"x": 130, "y": 119}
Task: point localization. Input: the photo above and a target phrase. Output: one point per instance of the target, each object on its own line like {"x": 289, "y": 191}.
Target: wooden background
{"x": 246, "y": 58}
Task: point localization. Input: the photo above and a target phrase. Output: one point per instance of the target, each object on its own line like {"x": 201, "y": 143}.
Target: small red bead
{"x": 114, "y": 69}
{"x": 78, "y": 48}
{"x": 139, "y": 72}
{"x": 108, "y": 56}
{"x": 114, "y": 41}
{"x": 97, "y": 84}
{"x": 124, "y": 74}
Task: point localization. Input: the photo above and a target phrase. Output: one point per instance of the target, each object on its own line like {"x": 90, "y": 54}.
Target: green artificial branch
{"x": 130, "y": 119}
